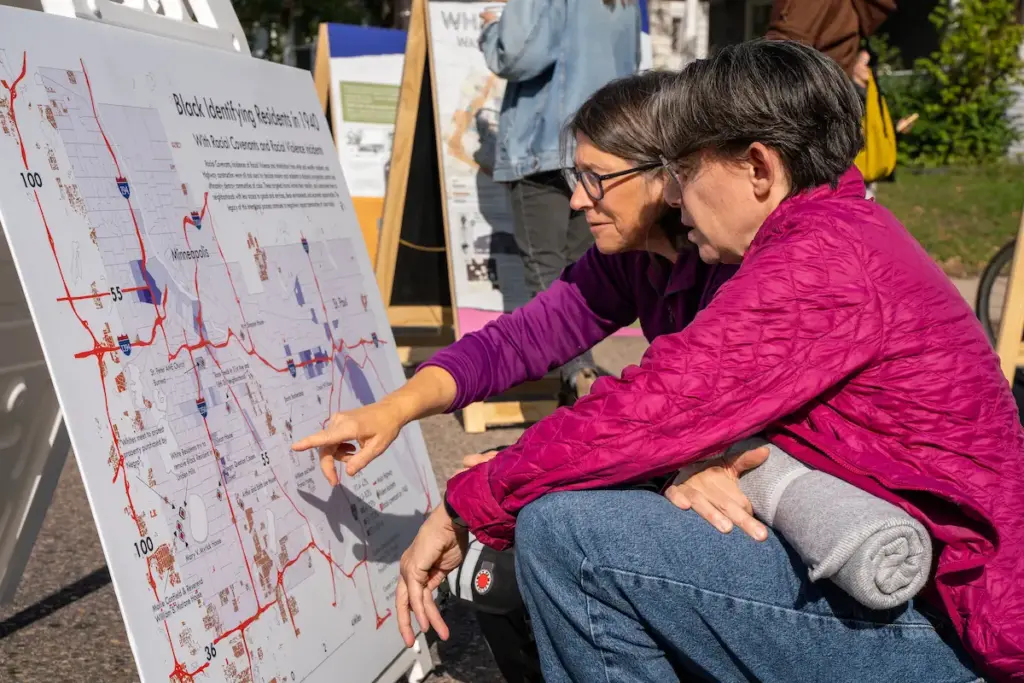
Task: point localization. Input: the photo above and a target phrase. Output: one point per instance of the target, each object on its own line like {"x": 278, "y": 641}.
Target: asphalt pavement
{"x": 65, "y": 625}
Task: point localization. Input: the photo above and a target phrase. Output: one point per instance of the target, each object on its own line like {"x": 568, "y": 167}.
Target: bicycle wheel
{"x": 992, "y": 290}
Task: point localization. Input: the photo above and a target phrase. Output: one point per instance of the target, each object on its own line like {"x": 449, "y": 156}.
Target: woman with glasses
{"x": 641, "y": 267}
{"x": 837, "y": 336}
{"x": 552, "y": 55}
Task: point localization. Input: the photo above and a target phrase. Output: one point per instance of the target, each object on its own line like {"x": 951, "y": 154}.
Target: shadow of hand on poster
{"x": 379, "y": 536}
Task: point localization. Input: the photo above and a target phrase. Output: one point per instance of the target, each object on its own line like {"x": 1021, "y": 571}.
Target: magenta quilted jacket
{"x": 842, "y": 340}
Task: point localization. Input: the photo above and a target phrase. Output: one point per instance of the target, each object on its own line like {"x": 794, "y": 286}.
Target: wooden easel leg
{"x": 474, "y": 419}
{"x": 1011, "y": 326}
{"x": 478, "y": 417}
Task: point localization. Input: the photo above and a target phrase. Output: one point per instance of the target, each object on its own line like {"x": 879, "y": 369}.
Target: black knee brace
{"x": 486, "y": 579}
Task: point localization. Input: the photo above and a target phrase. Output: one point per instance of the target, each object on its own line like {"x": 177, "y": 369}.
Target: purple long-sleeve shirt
{"x": 593, "y": 298}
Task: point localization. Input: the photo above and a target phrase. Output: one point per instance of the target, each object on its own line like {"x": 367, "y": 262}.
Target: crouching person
{"x": 835, "y": 336}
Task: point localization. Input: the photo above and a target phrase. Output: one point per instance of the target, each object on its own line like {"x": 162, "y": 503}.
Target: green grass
{"x": 960, "y": 216}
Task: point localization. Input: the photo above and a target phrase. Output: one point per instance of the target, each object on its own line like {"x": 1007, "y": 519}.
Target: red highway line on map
{"x": 98, "y": 351}
{"x": 248, "y": 655}
{"x": 179, "y": 669}
{"x": 96, "y": 117}
{"x": 231, "y": 508}
{"x": 351, "y": 576}
{"x": 334, "y": 586}
{"x": 312, "y": 543}
{"x": 100, "y": 295}
{"x": 227, "y": 494}
{"x": 330, "y": 334}
{"x": 13, "y": 91}
{"x": 131, "y": 209}
{"x": 287, "y": 605}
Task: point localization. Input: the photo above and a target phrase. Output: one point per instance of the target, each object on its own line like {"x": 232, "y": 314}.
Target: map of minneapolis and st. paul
{"x": 202, "y": 382}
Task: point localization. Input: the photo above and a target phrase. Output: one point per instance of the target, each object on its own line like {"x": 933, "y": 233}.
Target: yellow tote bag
{"x": 878, "y": 158}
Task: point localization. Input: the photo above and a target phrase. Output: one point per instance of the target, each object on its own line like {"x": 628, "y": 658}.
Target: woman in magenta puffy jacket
{"x": 837, "y": 336}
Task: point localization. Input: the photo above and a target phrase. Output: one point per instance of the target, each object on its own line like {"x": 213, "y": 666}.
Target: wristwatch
{"x": 456, "y": 519}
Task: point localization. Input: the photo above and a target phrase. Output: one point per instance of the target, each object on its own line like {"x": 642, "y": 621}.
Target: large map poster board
{"x": 487, "y": 269}
{"x": 187, "y": 246}
{"x": 365, "y": 75}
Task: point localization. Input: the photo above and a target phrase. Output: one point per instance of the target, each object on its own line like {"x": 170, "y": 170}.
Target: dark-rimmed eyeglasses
{"x": 593, "y": 183}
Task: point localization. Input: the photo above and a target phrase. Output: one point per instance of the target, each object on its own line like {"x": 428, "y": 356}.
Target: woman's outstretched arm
{"x": 591, "y": 300}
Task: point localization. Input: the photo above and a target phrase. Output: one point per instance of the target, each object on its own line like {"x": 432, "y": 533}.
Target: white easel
{"x": 207, "y": 22}
{"x": 32, "y": 430}
{"x": 34, "y": 443}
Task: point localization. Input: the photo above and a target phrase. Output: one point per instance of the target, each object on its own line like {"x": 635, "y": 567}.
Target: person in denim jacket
{"x": 553, "y": 54}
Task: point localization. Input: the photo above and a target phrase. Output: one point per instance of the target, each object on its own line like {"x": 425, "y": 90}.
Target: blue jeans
{"x": 622, "y": 586}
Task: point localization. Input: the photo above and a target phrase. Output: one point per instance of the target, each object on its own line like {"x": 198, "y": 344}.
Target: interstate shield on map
{"x": 185, "y": 241}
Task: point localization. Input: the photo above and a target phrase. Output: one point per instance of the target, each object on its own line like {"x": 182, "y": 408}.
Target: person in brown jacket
{"x": 833, "y": 27}
{"x": 836, "y": 29}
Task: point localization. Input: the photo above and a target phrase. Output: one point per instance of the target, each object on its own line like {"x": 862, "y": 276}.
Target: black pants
{"x": 510, "y": 640}
{"x": 550, "y": 236}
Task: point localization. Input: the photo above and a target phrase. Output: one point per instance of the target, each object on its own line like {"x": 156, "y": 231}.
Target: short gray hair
{"x": 787, "y": 96}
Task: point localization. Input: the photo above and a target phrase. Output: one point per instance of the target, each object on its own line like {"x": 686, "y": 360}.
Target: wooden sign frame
{"x": 418, "y": 68}
{"x": 423, "y": 329}
{"x": 359, "y": 56}
{"x": 1011, "y": 324}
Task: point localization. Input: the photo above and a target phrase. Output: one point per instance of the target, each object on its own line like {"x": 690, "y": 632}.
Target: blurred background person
{"x": 838, "y": 29}
{"x": 833, "y": 27}
{"x": 553, "y": 55}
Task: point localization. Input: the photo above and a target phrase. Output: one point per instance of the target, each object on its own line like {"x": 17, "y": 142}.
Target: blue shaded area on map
{"x": 143, "y": 278}
{"x": 335, "y": 323}
{"x": 200, "y": 330}
{"x": 312, "y": 315}
{"x": 315, "y": 362}
{"x": 307, "y": 367}
{"x": 357, "y": 382}
{"x": 252, "y": 427}
{"x": 164, "y": 290}
{"x": 298, "y": 293}
{"x": 327, "y": 331}
{"x": 287, "y": 349}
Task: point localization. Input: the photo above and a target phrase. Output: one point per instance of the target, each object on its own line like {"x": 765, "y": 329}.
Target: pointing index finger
{"x": 334, "y": 434}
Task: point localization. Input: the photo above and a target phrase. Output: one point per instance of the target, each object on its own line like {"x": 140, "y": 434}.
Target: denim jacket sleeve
{"x": 524, "y": 42}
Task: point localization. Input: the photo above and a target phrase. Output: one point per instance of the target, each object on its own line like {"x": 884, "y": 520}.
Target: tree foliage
{"x": 278, "y": 26}
{"x": 964, "y": 90}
